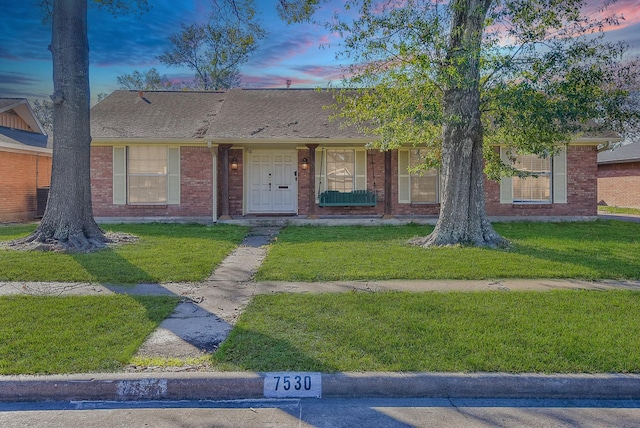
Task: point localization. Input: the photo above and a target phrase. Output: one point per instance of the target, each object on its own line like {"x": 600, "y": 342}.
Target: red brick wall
{"x": 20, "y": 176}
{"x": 196, "y": 187}
{"x": 619, "y": 184}
{"x": 196, "y": 182}
{"x": 581, "y": 190}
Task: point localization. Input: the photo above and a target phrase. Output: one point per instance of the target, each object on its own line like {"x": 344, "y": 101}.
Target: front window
{"x": 340, "y": 170}
{"x": 424, "y": 185}
{"x": 534, "y": 188}
{"x": 147, "y": 175}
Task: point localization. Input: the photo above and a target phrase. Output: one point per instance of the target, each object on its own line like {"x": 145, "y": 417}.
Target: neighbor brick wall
{"x": 619, "y": 184}
{"x": 196, "y": 186}
{"x": 20, "y": 176}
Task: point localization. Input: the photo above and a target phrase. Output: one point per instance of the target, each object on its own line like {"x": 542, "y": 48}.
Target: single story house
{"x": 25, "y": 161}
{"x": 619, "y": 176}
{"x": 244, "y": 153}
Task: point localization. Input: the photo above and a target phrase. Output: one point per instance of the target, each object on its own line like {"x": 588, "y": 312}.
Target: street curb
{"x": 241, "y": 385}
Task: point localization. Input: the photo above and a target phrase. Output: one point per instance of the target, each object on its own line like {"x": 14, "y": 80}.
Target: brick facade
{"x": 619, "y": 184}
{"x": 197, "y": 181}
{"x": 196, "y": 187}
{"x": 581, "y": 190}
{"x": 21, "y": 174}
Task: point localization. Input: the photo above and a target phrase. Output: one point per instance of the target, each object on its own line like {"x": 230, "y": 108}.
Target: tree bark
{"x": 68, "y": 222}
{"x": 463, "y": 218}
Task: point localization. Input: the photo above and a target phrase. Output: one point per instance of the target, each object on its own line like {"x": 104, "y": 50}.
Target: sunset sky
{"x": 304, "y": 53}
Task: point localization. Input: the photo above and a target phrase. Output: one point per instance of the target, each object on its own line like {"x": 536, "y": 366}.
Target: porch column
{"x": 223, "y": 152}
{"x": 312, "y": 181}
{"x": 388, "y": 198}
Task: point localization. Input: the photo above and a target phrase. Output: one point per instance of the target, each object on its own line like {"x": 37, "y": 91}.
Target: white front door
{"x": 273, "y": 182}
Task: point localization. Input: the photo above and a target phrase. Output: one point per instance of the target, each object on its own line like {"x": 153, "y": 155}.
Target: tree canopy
{"x": 214, "y": 51}
{"x": 466, "y": 75}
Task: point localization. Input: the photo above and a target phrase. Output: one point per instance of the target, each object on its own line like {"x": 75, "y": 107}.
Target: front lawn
{"x": 564, "y": 331}
{"x": 584, "y": 250}
{"x": 75, "y": 334}
{"x": 164, "y": 253}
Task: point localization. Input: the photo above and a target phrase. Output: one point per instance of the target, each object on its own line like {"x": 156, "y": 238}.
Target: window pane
{"x": 147, "y": 189}
{"x": 340, "y": 168}
{"x": 147, "y": 175}
{"x": 532, "y": 189}
{"x": 424, "y": 188}
{"x": 147, "y": 160}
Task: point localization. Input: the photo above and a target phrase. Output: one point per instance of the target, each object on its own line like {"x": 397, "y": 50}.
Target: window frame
{"x": 535, "y": 175}
{"x": 406, "y": 179}
{"x": 558, "y": 180}
{"x": 359, "y": 181}
{"x": 121, "y": 176}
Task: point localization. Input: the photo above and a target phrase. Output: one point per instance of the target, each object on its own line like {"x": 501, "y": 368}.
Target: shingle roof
{"x": 157, "y": 114}
{"x": 626, "y": 153}
{"x": 278, "y": 114}
{"x": 234, "y": 114}
{"x": 7, "y": 103}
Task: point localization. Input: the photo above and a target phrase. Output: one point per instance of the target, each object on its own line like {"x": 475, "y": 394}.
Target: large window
{"x": 545, "y": 182}
{"x": 534, "y": 188}
{"x": 342, "y": 170}
{"x": 416, "y": 187}
{"x": 147, "y": 175}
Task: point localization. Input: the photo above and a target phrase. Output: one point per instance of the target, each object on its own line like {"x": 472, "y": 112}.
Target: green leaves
{"x": 545, "y": 75}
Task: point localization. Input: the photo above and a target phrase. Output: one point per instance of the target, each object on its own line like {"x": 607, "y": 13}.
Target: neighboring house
{"x": 619, "y": 176}
{"x": 208, "y": 156}
{"x": 25, "y": 161}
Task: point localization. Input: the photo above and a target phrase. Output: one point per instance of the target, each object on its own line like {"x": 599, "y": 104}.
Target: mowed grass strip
{"x": 164, "y": 253}
{"x": 75, "y": 334}
{"x": 618, "y": 210}
{"x": 581, "y": 250}
{"x": 565, "y": 331}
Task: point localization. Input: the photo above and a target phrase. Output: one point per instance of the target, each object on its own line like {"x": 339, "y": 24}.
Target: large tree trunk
{"x": 463, "y": 218}
{"x": 68, "y": 222}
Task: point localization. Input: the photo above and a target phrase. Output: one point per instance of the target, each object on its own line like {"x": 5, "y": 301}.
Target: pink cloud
{"x": 627, "y": 9}
{"x": 277, "y": 81}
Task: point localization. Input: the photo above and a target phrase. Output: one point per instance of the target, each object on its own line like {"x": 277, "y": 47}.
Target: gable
{"x": 16, "y": 113}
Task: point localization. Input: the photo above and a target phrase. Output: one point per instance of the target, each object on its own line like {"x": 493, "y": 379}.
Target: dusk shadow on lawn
{"x": 189, "y": 322}
{"x": 247, "y": 349}
{"x": 112, "y": 268}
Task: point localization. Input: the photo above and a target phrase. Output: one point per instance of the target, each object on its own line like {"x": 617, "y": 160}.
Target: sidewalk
{"x": 209, "y": 310}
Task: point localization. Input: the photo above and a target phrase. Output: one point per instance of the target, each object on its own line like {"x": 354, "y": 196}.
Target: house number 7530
{"x": 284, "y": 385}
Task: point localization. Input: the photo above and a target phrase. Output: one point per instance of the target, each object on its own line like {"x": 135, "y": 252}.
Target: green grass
{"x": 564, "y": 331}
{"x": 164, "y": 253}
{"x": 618, "y": 210}
{"x": 76, "y": 334}
{"x": 585, "y": 250}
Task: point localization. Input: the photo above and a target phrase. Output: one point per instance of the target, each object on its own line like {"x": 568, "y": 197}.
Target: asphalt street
{"x": 372, "y": 412}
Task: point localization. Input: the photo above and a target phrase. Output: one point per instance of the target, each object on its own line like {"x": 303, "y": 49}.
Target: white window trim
{"x": 121, "y": 177}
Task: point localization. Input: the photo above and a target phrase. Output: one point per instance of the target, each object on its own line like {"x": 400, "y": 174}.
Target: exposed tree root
{"x": 76, "y": 243}
{"x": 488, "y": 240}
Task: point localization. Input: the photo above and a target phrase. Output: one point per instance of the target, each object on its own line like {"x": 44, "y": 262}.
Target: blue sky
{"x": 304, "y": 53}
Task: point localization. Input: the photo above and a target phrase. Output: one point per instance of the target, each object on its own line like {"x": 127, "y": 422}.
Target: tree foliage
{"x": 43, "y": 109}
{"x": 533, "y": 73}
{"x": 149, "y": 80}
{"x": 214, "y": 51}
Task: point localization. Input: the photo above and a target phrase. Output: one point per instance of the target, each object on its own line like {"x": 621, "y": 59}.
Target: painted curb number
{"x": 292, "y": 385}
